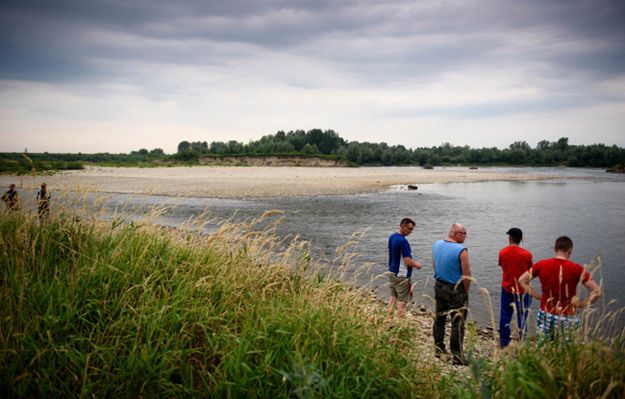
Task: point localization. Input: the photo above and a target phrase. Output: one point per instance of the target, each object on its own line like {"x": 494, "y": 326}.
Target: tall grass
{"x": 554, "y": 369}
{"x": 112, "y": 309}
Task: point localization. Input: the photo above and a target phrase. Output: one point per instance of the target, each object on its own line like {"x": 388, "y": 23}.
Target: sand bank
{"x": 255, "y": 181}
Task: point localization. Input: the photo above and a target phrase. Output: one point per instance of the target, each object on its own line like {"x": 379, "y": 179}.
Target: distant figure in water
{"x": 558, "y": 302}
{"x": 400, "y": 265}
{"x": 514, "y": 261}
{"x": 11, "y": 198}
{"x": 43, "y": 201}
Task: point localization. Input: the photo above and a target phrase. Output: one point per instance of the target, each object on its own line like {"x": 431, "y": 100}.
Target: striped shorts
{"x": 551, "y": 324}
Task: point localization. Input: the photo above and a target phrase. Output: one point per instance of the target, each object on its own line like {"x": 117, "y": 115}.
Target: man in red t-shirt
{"x": 514, "y": 261}
{"x": 558, "y": 279}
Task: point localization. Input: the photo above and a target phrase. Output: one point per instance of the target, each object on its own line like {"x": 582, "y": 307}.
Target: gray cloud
{"x": 559, "y": 54}
{"x": 445, "y": 34}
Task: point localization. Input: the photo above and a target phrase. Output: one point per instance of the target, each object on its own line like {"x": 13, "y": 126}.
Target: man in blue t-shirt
{"x": 400, "y": 266}
{"x": 452, "y": 271}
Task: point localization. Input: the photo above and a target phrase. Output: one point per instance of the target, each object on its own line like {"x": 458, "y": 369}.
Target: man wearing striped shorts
{"x": 558, "y": 279}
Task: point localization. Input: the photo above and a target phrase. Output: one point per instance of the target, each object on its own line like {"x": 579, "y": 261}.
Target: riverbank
{"x": 229, "y": 315}
{"x": 256, "y": 181}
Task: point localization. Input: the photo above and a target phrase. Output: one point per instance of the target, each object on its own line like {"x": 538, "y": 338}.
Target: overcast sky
{"x": 120, "y": 75}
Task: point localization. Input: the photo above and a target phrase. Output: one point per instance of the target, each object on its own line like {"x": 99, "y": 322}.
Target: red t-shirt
{"x": 514, "y": 261}
{"x": 559, "y": 279}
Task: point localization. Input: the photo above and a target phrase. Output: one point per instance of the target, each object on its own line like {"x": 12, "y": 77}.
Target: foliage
{"x": 329, "y": 142}
{"x": 19, "y": 164}
{"x": 27, "y": 163}
{"x": 121, "y": 310}
{"x": 317, "y": 142}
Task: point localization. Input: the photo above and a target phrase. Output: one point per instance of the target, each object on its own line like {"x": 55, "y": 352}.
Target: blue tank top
{"x": 446, "y": 255}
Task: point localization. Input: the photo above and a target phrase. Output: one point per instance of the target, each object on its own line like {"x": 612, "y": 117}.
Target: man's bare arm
{"x": 412, "y": 263}
{"x": 594, "y": 293}
{"x": 466, "y": 269}
{"x": 524, "y": 281}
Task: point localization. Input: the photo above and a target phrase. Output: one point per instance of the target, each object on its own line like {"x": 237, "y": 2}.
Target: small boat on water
{"x": 472, "y": 167}
{"x": 412, "y": 187}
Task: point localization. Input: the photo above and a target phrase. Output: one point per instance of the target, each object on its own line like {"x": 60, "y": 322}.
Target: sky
{"x": 120, "y": 75}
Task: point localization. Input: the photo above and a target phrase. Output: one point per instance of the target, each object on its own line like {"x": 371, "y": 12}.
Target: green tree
{"x": 310, "y": 149}
{"x": 563, "y": 144}
{"x": 183, "y": 146}
{"x": 353, "y": 152}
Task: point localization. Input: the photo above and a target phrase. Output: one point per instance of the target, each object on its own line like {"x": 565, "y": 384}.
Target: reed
{"x": 121, "y": 308}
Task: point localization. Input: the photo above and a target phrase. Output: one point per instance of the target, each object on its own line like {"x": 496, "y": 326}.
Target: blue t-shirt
{"x": 446, "y": 255}
{"x": 398, "y": 249}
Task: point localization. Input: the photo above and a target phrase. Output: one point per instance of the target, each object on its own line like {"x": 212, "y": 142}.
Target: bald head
{"x": 457, "y": 232}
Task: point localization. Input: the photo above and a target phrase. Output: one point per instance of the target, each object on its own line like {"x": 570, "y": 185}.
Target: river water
{"x": 588, "y": 206}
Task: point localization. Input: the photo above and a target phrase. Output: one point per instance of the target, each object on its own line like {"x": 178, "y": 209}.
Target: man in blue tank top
{"x": 400, "y": 266}
{"x": 452, "y": 271}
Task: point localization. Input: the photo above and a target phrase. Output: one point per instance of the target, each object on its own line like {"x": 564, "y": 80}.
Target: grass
{"x": 576, "y": 369}
{"x": 124, "y": 310}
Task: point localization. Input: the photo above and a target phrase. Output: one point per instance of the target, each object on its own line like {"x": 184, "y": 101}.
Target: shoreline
{"x": 254, "y": 182}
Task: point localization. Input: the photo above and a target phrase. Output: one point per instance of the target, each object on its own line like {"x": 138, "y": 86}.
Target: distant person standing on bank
{"x": 452, "y": 271}
{"x": 400, "y": 265}
{"x": 11, "y": 198}
{"x": 514, "y": 261}
{"x": 43, "y": 201}
{"x": 559, "y": 302}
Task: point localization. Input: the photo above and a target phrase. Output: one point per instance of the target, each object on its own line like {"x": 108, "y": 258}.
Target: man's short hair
{"x": 407, "y": 221}
{"x": 563, "y": 244}
{"x": 515, "y": 234}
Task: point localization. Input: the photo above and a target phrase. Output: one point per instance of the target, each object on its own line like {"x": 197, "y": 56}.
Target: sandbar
{"x": 243, "y": 182}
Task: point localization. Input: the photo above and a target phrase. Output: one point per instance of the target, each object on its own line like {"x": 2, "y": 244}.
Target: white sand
{"x": 254, "y": 181}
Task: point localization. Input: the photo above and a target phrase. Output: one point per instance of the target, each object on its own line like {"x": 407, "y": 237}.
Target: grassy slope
{"x": 117, "y": 310}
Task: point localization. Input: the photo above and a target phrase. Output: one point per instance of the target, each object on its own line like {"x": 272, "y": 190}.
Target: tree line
{"x": 329, "y": 143}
